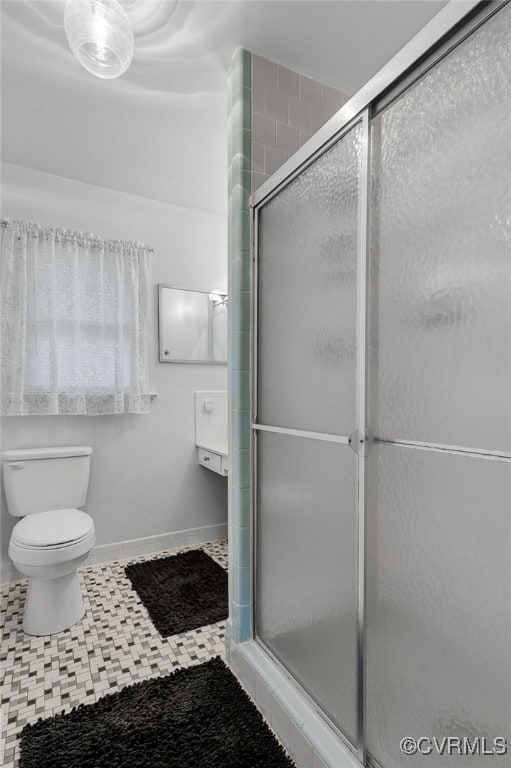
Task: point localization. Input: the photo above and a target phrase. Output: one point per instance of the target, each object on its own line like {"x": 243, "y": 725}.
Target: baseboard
{"x": 305, "y": 734}
{"x": 105, "y": 553}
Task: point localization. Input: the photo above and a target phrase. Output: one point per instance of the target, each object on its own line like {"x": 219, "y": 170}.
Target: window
{"x": 75, "y": 323}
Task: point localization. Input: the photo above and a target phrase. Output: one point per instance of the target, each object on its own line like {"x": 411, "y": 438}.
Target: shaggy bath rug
{"x": 198, "y": 717}
{"x": 181, "y": 592}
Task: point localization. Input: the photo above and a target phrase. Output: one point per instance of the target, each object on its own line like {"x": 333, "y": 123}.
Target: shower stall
{"x": 381, "y": 407}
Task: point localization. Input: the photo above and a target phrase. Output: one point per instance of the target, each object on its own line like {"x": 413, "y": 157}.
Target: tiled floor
{"x": 113, "y": 646}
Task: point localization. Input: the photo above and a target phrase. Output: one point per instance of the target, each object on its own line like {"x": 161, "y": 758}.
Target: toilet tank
{"x": 41, "y": 479}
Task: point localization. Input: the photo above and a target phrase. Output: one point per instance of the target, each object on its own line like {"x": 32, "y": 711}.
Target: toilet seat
{"x": 55, "y": 529}
{"x": 51, "y": 538}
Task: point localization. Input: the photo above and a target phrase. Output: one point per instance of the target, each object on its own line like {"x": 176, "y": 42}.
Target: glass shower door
{"x": 439, "y": 496}
{"x": 306, "y": 532}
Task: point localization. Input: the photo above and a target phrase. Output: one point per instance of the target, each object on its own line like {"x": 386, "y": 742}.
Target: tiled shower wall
{"x": 287, "y": 108}
{"x": 239, "y": 154}
{"x": 272, "y": 112}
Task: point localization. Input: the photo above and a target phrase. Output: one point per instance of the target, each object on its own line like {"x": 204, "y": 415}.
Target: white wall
{"x": 145, "y": 479}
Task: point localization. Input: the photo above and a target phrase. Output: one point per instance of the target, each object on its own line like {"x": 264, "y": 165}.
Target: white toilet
{"x": 44, "y": 486}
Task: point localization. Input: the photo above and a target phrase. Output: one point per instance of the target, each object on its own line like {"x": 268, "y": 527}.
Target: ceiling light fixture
{"x": 99, "y": 34}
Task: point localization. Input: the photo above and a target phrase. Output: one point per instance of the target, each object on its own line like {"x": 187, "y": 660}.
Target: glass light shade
{"x": 99, "y": 34}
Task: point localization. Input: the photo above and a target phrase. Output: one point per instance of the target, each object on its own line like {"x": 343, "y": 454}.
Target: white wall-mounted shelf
{"x": 211, "y": 430}
{"x": 214, "y": 457}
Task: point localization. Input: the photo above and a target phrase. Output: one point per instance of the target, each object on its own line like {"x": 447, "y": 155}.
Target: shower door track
{"x": 453, "y": 24}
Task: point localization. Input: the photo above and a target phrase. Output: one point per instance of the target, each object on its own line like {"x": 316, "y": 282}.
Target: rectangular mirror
{"x": 192, "y": 326}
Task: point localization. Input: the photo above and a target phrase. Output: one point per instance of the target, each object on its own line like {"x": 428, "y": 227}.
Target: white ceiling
{"x": 160, "y": 130}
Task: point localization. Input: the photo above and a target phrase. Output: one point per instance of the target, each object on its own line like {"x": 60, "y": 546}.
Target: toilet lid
{"x": 59, "y": 526}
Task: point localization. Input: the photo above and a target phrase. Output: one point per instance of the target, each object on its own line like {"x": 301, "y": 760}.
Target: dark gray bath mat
{"x": 198, "y": 717}
{"x": 181, "y": 592}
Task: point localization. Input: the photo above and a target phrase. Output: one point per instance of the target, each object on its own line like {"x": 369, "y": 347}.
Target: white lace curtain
{"x": 75, "y": 328}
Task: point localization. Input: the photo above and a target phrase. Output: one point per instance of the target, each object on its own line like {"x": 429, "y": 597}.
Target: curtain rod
{"x": 91, "y": 235}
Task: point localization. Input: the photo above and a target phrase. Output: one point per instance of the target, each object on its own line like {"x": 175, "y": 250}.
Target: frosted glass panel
{"x": 441, "y": 249}
{"x": 307, "y": 296}
{"x": 307, "y": 567}
{"x": 438, "y": 602}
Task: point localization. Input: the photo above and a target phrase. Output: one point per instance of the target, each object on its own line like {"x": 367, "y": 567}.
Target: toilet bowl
{"x": 48, "y": 548}
{"x": 48, "y": 545}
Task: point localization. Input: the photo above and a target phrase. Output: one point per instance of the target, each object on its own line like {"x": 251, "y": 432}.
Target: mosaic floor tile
{"x": 114, "y": 645}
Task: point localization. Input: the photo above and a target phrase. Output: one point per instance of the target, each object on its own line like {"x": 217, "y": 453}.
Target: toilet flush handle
{"x": 16, "y": 464}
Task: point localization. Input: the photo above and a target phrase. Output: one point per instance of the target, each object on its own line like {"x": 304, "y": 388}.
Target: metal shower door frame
{"x": 444, "y": 32}
{"x": 357, "y": 439}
